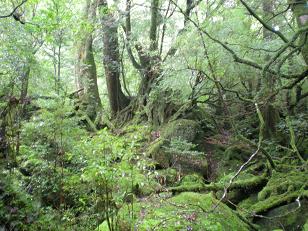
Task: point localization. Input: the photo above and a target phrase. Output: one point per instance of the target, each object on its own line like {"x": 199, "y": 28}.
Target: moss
{"x": 282, "y": 183}
{"x": 278, "y": 200}
{"x": 287, "y": 216}
{"x": 192, "y": 179}
{"x": 188, "y": 130}
{"x": 157, "y": 152}
{"x": 144, "y": 186}
{"x": 167, "y": 176}
{"x": 300, "y": 9}
{"x": 238, "y": 151}
{"x": 176, "y": 147}
{"x": 186, "y": 211}
{"x": 305, "y": 228}
{"x": 248, "y": 202}
{"x": 241, "y": 184}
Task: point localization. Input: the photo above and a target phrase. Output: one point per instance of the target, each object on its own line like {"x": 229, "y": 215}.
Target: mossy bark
{"x": 86, "y": 67}
{"x": 248, "y": 184}
{"x": 117, "y": 100}
{"x": 300, "y": 11}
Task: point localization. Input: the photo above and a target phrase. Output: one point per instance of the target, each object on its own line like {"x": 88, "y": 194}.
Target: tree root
{"x": 276, "y": 201}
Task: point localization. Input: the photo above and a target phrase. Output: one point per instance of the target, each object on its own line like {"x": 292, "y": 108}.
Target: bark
{"x": 150, "y": 60}
{"x": 22, "y": 107}
{"x": 300, "y": 11}
{"x": 245, "y": 185}
{"x": 154, "y": 24}
{"x": 86, "y": 68}
{"x": 270, "y": 112}
{"x": 117, "y": 100}
{"x": 24, "y": 85}
{"x": 189, "y": 7}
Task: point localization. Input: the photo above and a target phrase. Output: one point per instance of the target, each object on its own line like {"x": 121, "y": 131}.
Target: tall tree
{"x": 149, "y": 61}
{"x": 300, "y": 10}
{"x": 117, "y": 99}
{"x": 86, "y": 67}
{"x": 271, "y": 114}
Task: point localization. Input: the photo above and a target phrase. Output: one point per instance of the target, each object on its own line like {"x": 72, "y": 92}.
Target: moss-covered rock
{"x": 284, "y": 183}
{"x": 238, "y": 151}
{"x": 289, "y": 217}
{"x": 192, "y": 179}
{"x": 186, "y": 211}
{"x": 176, "y": 147}
{"x": 167, "y": 177}
{"x": 279, "y": 200}
{"x": 188, "y": 130}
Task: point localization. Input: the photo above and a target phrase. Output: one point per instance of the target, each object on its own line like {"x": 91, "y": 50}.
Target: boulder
{"x": 177, "y": 147}
{"x": 186, "y": 211}
{"x": 287, "y": 217}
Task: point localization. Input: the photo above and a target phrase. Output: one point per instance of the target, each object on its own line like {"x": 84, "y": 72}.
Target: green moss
{"x": 278, "y": 200}
{"x": 282, "y": 183}
{"x": 192, "y": 179}
{"x": 176, "y": 147}
{"x": 238, "y": 151}
{"x": 300, "y": 9}
{"x": 167, "y": 176}
{"x": 157, "y": 152}
{"x": 185, "y": 211}
{"x": 287, "y": 216}
{"x": 243, "y": 185}
{"x": 305, "y": 228}
{"x": 247, "y": 203}
{"x": 188, "y": 130}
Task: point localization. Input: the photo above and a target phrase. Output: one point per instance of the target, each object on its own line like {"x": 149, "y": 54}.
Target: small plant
{"x": 182, "y": 147}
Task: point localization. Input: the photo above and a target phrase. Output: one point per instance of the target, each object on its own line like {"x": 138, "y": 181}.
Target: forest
{"x": 143, "y": 115}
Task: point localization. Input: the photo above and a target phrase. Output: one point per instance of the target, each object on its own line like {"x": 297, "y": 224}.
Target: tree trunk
{"x": 150, "y": 60}
{"x": 86, "y": 68}
{"x": 117, "y": 99}
{"x": 270, "y": 112}
{"x": 300, "y": 10}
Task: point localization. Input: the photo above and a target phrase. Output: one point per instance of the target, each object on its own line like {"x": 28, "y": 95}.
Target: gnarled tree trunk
{"x": 86, "y": 68}
{"x": 300, "y": 11}
{"x": 270, "y": 112}
{"x": 117, "y": 99}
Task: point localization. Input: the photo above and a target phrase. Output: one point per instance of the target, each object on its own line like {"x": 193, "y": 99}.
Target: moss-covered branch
{"x": 275, "y": 201}
{"x": 247, "y": 184}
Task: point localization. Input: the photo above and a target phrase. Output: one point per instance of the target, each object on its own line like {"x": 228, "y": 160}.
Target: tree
{"x": 150, "y": 57}
{"x": 86, "y": 67}
{"x": 270, "y": 112}
{"x": 117, "y": 100}
{"x": 300, "y": 11}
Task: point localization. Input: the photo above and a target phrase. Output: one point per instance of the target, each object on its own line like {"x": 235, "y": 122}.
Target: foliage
{"x": 189, "y": 211}
{"x": 192, "y": 74}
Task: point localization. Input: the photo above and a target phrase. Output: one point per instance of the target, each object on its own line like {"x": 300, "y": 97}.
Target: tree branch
{"x": 264, "y": 24}
{"x": 14, "y": 10}
{"x": 128, "y": 30}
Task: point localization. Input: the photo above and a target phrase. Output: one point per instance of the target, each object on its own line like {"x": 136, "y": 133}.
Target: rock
{"x": 176, "y": 147}
{"x": 186, "y": 211}
{"x": 167, "y": 177}
{"x": 289, "y": 217}
{"x": 192, "y": 179}
{"x": 183, "y": 129}
{"x": 283, "y": 200}
{"x": 238, "y": 151}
